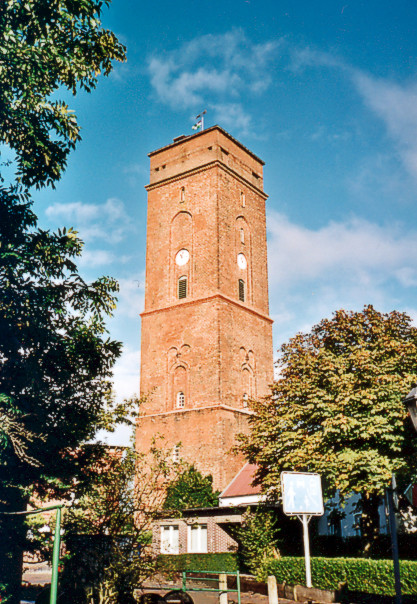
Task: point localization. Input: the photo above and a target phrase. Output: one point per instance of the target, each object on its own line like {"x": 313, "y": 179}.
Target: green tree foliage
{"x": 55, "y": 356}
{"x": 257, "y": 537}
{"x": 108, "y": 529}
{"x": 55, "y": 360}
{"x": 337, "y": 409}
{"x": 45, "y": 46}
{"x": 191, "y": 490}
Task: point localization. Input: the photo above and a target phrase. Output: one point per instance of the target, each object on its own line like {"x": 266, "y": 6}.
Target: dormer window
{"x": 182, "y": 287}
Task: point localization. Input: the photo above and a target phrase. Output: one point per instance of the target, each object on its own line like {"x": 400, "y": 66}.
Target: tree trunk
{"x": 12, "y": 539}
{"x": 369, "y": 522}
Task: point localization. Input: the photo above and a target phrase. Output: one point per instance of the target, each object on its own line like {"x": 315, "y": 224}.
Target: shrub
{"x": 202, "y": 562}
{"x": 257, "y": 537}
{"x": 359, "y": 574}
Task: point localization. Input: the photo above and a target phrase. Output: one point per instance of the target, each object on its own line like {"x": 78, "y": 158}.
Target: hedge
{"x": 202, "y": 562}
{"x": 359, "y": 574}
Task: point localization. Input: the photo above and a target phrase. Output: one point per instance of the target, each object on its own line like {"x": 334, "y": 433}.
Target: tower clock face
{"x": 182, "y": 257}
{"x": 241, "y": 261}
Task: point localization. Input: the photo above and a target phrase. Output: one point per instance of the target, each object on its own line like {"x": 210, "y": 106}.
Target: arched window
{"x": 180, "y": 400}
{"x": 242, "y": 199}
{"x": 245, "y": 399}
{"x": 241, "y": 290}
{"x": 182, "y": 287}
{"x": 182, "y": 194}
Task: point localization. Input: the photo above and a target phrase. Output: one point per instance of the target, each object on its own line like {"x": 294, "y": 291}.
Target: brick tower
{"x": 206, "y": 334}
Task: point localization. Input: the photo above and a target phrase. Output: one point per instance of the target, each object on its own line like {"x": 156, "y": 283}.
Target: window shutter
{"x": 241, "y": 290}
{"x": 182, "y": 287}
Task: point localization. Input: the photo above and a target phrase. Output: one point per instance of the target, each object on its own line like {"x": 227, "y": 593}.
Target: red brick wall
{"x": 218, "y": 541}
{"x": 205, "y": 195}
{"x": 206, "y": 436}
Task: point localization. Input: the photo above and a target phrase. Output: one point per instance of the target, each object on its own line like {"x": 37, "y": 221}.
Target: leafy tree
{"x": 337, "y": 409}
{"x": 46, "y": 46}
{"x": 257, "y": 537}
{"x": 108, "y": 530}
{"x": 191, "y": 490}
{"x": 55, "y": 365}
{"x": 55, "y": 357}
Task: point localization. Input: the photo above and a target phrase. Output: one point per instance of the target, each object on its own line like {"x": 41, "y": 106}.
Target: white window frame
{"x": 180, "y": 399}
{"x": 200, "y": 549}
{"x": 172, "y": 548}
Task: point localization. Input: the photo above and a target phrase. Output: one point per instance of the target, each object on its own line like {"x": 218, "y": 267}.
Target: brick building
{"x": 207, "y": 530}
{"x": 206, "y": 335}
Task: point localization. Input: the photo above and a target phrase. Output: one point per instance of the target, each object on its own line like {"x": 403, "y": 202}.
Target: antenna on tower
{"x": 199, "y": 125}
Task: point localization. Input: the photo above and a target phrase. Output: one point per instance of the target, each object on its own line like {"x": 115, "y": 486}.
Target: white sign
{"x": 301, "y": 494}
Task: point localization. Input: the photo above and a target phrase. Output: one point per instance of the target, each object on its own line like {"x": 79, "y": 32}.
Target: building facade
{"x": 206, "y": 345}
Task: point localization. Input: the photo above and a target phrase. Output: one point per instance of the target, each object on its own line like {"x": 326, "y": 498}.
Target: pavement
{"x": 201, "y": 597}
{"x": 40, "y": 574}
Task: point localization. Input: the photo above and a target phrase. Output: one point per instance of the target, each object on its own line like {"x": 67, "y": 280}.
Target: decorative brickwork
{"x": 206, "y": 348}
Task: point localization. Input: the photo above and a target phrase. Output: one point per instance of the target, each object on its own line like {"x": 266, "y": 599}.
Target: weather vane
{"x": 199, "y": 125}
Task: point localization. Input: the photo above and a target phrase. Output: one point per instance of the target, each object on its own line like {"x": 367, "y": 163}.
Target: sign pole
{"x": 302, "y": 497}
{"x": 55, "y": 557}
{"x": 305, "y": 520}
{"x": 394, "y": 540}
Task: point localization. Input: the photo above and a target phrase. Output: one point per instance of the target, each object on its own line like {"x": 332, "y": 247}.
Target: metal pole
{"x": 394, "y": 541}
{"x": 307, "y": 550}
{"x": 55, "y": 557}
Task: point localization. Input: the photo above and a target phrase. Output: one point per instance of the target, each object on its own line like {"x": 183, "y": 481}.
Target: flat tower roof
{"x": 182, "y": 139}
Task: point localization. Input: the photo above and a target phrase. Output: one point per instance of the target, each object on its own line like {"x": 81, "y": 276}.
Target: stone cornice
{"x": 202, "y": 168}
{"x": 194, "y": 409}
{"x": 217, "y": 296}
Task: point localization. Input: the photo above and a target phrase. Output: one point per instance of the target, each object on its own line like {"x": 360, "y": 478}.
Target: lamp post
{"x": 410, "y": 402}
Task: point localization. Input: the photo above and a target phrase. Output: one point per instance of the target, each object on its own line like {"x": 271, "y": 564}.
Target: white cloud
{"x": 93, "y": 258}
{"x": 232, "y": 116}
{"x": 215, "y": 70}
{"x": 396, "y": 106}
{"x": 310, "y": 57}
{"x": 125, "y": 385}
{"x": 108, "y": 221}
{"x": 356, "y": 252}
{"x": 131, "y": 296}
{"x": 314, "y": 272}
{"x": 126, "y": 373}
{"x": 393, "y": 103}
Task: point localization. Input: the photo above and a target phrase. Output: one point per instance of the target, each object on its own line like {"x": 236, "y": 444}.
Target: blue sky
{"x": 324, "y": 92}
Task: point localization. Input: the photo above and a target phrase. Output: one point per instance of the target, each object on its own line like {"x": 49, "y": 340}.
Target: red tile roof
{"x": 242, "y": 483}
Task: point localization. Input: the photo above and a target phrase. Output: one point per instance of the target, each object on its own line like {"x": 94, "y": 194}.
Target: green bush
{"x": 202, "y": 562}
{"x": 359, "y": 574}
